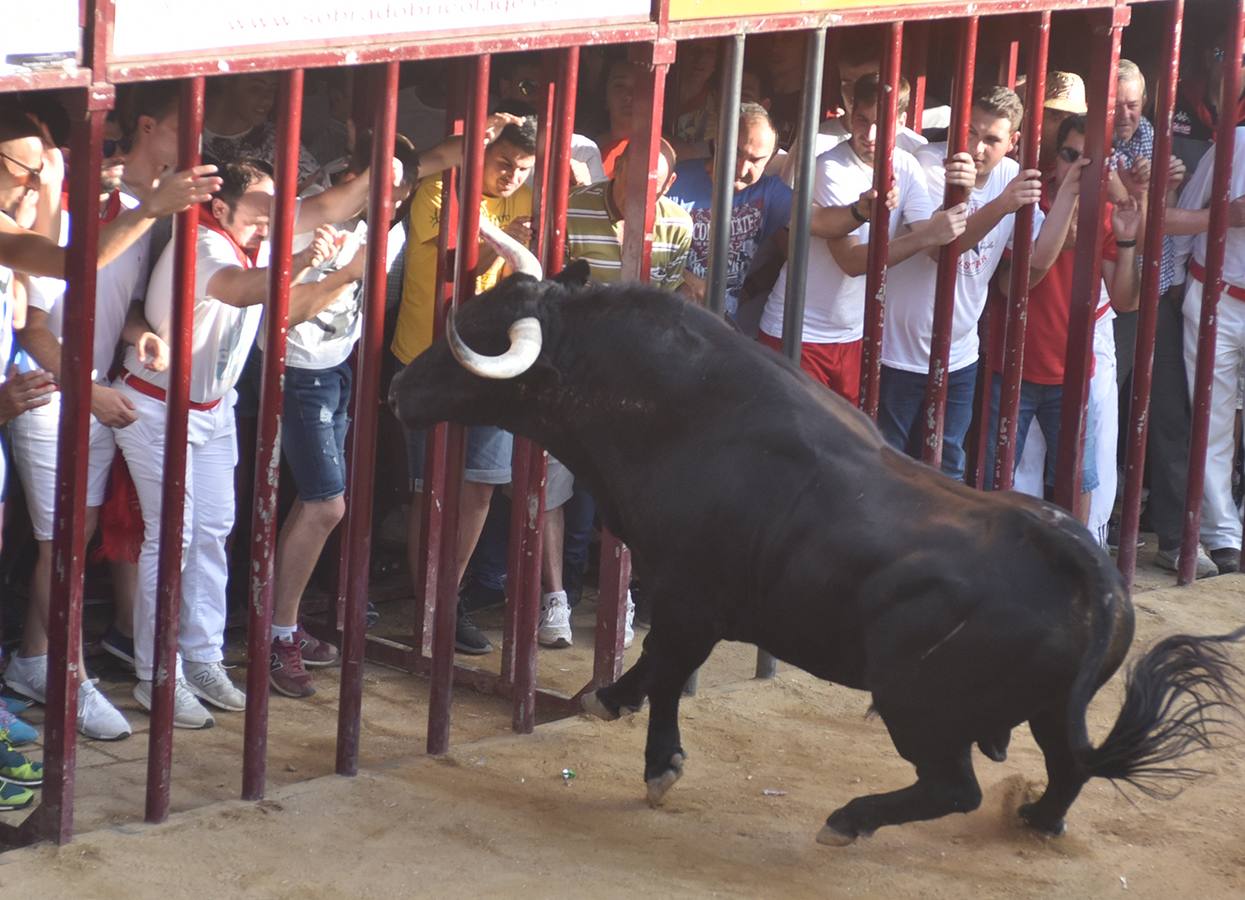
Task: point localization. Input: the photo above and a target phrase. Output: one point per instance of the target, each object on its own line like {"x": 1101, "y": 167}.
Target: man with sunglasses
{"x": 22, "y": 165}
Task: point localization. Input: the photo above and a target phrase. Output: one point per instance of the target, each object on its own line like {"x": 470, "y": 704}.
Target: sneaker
{"x": 555, "y": 621}
{"x": 209, "y": 681}
{"x": 14, "y": 705}
{"x": 468, "y": 638}
{"x": 315, "y": 652}
{"x": 28, "y": 675}
{"x": 119, "y": 645}
{"x": 371, "y": 617}
{"x": 1113, "y": 537}
{"x": 286, "y": 672}
{"x": 1226, "y": 559}
{"x": 629, "y": 628}
{"x": 16, "y": 731}
{"x": 14, "y": 796}
{"x": 1170, "y": 560}
{"x": 16, "y": 768}
{"x": 188, "y": 712}
{"x": 97, "y": 718}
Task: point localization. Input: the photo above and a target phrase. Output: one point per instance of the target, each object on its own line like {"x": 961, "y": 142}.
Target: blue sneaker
{"x": 15, "y": 731}
{"x": 14, "y": 705}
{"x": 18, "y": 769}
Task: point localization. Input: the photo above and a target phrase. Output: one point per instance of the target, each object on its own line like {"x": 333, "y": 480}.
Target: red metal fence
{"x": 650, "y": 39}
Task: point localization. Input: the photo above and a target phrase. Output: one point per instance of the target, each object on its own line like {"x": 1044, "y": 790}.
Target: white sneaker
{"x": 209, "y": 681}
{"x": 97, "y": 718}
{"x": 1170, "y": 560}
{"x": 629, "y": 629}
{"x": 28, "y": 675}
{"x": 187, "y": 711}
{"x": 555, "y": 621}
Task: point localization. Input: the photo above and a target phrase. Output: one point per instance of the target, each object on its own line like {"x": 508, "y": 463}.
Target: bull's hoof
{"x": 593, "y": 706}
{"x": 661, "y": 784}
{"x": 832, "y": 837}
{"x": 994, "y": 747}
{"x": 1034, "y": 820}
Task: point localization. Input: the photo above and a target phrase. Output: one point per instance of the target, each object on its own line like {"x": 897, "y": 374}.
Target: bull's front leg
{"x": 624, "y": 696}
{"x": 674, "y": 661}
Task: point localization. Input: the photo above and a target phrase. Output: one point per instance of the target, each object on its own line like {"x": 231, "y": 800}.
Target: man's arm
{"x": 1054, "y": 232}
{"x": 308, "y": 300}
{"x": 236, "y": 286}
{"x": 839, "y": 221}
{"x": 852, "y": 255}
{"x": 26, "y": 251}
{"x": 151, "y": 349}
{"x": 109, "y": 406}
{"x": 20, "y": 392}
{"x": 1122, "y": 275}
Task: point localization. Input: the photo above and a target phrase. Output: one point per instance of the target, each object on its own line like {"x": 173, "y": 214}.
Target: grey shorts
{"x": 488, "y": 455}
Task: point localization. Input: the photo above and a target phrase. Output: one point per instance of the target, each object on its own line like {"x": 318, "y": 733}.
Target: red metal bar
{"x": 1143, "y": 365}
{"x": 918, "y": 64}
{"x": 607, "y": 660}
{"x": 1022, "y": 247}
{"x": 640, "y": 205}
{"x": 879, "y": 229}
{"x": 979, "y": 430}
{"x": 268, "y": 439}
{"x": 1212, "y": 288}
{"x": 358, "y": 531}
{"x": 935, "y": 402}
{"x": 1087, "y": 265}
{"x": 68, "y": 538}
{"x": 560, "y": 127}
{"x": 173, "y": 497}
{"x": 434, "y": 506}
{"x": 1009, "y": 65}
{"x": 464, "y": 289}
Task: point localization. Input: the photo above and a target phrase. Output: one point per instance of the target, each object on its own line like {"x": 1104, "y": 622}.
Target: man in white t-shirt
{"x": 231, "y": 286}
{"x": 35, "y": 437}
{"x": 834, "y": 308}
{"x": 999, "y": 189}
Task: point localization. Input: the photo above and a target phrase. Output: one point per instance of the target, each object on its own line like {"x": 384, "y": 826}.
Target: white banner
{"x": 145, "y": 28}
{"x": 38, "y": 32}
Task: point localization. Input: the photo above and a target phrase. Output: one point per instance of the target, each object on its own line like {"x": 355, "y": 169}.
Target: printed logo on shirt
{"x": 973, "y": 260}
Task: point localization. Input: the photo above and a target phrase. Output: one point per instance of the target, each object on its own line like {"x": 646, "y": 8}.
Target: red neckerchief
{"x": 1195, "y": 95}
{"x": 246, "y": 258}
{"x": 112, "y": 208}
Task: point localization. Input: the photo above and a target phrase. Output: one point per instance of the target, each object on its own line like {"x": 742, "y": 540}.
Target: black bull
{"x": 761, "y": 508}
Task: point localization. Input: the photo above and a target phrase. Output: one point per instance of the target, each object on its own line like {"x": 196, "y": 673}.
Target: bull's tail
{"x": 1179, "y": 697}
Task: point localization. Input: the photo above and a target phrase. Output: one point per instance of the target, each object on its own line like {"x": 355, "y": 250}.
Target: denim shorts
{"x": 313, "y": 430}
{"x": 488, "y": 455}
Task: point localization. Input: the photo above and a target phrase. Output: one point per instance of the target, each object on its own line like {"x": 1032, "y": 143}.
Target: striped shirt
{"x": 593, "y": 233}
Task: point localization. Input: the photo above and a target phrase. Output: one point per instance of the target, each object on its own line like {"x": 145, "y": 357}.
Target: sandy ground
{"x": 768, "y": 762}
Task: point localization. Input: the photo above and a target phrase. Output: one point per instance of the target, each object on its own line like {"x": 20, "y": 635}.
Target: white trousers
{"x": 34, "y": 436}
{"x": 212, "y": 456}
{"x": 1105, "y": 418}
{"x": 1221, "y": 522}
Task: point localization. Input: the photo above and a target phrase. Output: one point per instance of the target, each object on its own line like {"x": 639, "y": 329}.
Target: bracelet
{"x": 856, "y": 214}
{"x": 1124, "y": 245}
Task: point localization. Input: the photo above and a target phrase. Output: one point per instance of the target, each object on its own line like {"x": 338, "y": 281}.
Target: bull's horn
{"x": 525, "y": 340}
{"x": 516, "y": 256}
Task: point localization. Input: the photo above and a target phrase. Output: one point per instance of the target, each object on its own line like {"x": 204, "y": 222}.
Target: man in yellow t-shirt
{"x": 507, "y": 202}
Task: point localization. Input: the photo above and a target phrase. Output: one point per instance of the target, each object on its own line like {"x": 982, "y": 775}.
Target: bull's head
{"x": 497, "y": 349}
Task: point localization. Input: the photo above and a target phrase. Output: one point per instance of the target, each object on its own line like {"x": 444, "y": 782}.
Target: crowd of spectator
{"x": 235, "y": 189}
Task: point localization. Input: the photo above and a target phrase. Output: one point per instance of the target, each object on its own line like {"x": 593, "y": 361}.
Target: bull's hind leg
{"x": 1064, "y": 778}
{"x": 945, "y": 783}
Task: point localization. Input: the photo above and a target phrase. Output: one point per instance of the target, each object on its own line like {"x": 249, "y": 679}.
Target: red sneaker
{"x": 286, "y": 673}
{"x": 315, "y": 652}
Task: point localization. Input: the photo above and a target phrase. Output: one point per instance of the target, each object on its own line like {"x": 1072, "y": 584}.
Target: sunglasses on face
{"x": 1219, "y": 54}
{"x": 1069, "y": 154}
{"x": 30, "y": 178}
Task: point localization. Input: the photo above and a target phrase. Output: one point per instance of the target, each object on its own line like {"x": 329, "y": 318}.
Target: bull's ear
{"x": 575, "y": 275}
